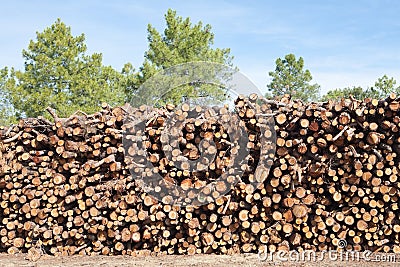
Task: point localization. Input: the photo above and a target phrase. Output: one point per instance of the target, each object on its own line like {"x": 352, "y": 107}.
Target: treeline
{"x": 59, "y": 73}
{"x": 291, "y": 78}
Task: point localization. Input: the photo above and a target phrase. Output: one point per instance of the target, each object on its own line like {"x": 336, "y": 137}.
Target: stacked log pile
{"x": 66, "y": 188}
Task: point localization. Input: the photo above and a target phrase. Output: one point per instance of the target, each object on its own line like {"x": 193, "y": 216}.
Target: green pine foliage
{"x": 58, "y": 73}
{"x": 290, "y": 77}
{"x": 381, "y": 89}
{"x": 181, "y": 42}
{"x": 356, "y": 91}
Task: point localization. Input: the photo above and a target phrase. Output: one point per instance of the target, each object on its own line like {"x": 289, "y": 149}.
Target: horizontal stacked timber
{"x": 66, "y": 187}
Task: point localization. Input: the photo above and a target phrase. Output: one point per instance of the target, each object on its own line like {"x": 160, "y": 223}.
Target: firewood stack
{"x": 66, "y": 186}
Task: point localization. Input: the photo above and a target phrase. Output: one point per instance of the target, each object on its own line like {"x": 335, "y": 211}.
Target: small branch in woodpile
{"x": 227, "y": 205}
{"x": 377, "y": 154}
{"x": 43, "y": 119}
{"x": 266, "y": 114}
{"x": 340, "y": 133}
{"x": 81, "y": 247}
{"x": 9, "y": 130}
{"x": 52, "y": 112}
{"x": 274, "y": 102}
{"x": 298, "y": 171}
{"x": 354, "y": 151}
{"x": 12, "y": 139}
{"x": 81, "y": 113}
{"x": 92, "y": 121}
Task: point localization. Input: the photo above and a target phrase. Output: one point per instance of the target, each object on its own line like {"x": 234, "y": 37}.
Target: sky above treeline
{"x": 343, "y": 43}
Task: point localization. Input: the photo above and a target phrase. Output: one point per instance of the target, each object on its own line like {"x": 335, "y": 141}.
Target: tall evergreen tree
{"x": 181, "y": 42}
{"x": 58, "y": 73}
{"x": 290, "y": 77}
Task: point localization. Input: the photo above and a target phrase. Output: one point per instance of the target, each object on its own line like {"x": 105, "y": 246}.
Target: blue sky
{"x": 343, "y": 43}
